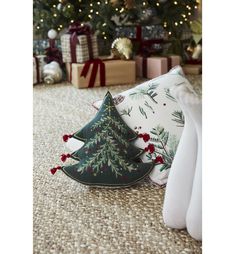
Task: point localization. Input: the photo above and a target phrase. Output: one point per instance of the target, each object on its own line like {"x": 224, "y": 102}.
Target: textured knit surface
{"x": 70, "y": 218}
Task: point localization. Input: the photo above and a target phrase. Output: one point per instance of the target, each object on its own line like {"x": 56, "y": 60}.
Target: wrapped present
{"x": 154, "y": 66}
{"x": 38, "y": 63}
{"x": 79, "y": 45}
{"x": 99, "y": 72}
{"x": 192, "y": 69}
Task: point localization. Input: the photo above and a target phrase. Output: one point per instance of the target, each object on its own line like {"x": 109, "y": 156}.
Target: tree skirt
{"x": 71, "y": 218}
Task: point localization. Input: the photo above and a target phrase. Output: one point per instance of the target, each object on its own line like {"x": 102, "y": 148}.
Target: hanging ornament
{"x": 52, "y": 34}
{"x": 122, "y": 48}
{"x": 52, "y": 73}
{"x": 129, "y": 4}
{"x": 59, "y": 7}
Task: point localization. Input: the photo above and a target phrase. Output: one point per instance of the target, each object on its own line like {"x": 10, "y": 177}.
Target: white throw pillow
{"x": 150, "y": 110}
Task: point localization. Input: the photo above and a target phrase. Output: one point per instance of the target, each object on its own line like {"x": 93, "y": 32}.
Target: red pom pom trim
{"x": 66, "y": 137}
{"x": 53, "y": 170}
{"x": 64, "y": 157}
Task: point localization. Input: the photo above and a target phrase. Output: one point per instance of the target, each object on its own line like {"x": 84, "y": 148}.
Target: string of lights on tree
{"x": 104, "y": 16}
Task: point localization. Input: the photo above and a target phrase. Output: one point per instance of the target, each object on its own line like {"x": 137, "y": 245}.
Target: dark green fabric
{"x": 107, "y": 157}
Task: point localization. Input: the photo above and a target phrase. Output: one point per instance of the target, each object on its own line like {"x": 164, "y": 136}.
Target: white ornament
{"x": 52, "y": 73}
{"x": 52, "y": 34}
{"x": 59, "y": 7}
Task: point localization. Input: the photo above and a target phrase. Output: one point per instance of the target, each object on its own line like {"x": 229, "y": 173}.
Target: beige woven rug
{"x": 70, "y": 218}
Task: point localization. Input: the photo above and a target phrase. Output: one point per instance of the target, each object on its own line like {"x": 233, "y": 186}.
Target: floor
{"x": 70, "y": 218}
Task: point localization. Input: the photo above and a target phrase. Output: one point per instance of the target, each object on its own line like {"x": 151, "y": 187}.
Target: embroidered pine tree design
{"x": 107, "y": 157}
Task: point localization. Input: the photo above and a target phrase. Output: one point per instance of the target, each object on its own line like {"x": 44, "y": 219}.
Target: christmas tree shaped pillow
{"x": 150, "y": 110}
{"x": 107, "y": 157}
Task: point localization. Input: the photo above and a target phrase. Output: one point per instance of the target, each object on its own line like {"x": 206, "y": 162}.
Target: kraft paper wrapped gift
{"x": 192, "y": 69}
{"x": 154, "y": 66}
{"x": 117, "y": 72}
{"x": 38, "y": 63}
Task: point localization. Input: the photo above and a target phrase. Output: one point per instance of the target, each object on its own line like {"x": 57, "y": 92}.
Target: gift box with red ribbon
{"x": 99, "y": 72}
{"x": 38, "y": 63}
{"x": 154, "y": 66}
{"x": 79, "y": 44}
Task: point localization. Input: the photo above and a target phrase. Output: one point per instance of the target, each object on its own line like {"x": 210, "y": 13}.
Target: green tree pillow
{"x": 107, "y": 157}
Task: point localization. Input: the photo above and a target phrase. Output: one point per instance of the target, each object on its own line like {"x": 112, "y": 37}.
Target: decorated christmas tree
{"x": 106, "y": 15}
{"x": 107, "y": 157}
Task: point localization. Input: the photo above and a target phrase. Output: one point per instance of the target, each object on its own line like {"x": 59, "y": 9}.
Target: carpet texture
{"x": 70, "y": 218}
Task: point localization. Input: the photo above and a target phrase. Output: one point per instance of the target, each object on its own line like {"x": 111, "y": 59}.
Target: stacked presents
{"x": 86, "y": 69}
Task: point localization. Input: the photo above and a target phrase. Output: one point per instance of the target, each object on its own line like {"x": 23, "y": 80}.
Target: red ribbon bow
{"x": 76, "y": 29}
{"x": 37, "y": 68}
{"x": 96, "y": 63}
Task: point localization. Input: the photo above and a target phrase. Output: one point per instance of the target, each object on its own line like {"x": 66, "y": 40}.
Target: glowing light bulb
{"x": 91, "y": 4}
{"x": 185, "y": 19}
{"x": 91, "y": 11}
{"x": 89, "y": 16}
{"x": 105, "y": 37}
{"x": 79, "y": 10}
{"x": 58, "y": 29}
{"x": 61, "y": 26}
{"x": 157, "y": 4}
{"x": 169, "y": 33}
{"x": 71, "y": 20}
{"x": 103, "y": 32}
{"x": 106, "y": 2}
{"x": 97, "y": 12}
{"x": 82, "y": 24}
{"x": 55, "y": 15}
{"x": 165, "y": 24}
{"x": 189, "y": 13}
{"x": 143, "y": 11}
{"x": 41, "y": 20}
{"x": 122, "y": 10}
{"x": 98, "y": 3}
{"x": 176, "y": 23}
{"x": 175, "y": 2}
{"x": 181, "y": 22}
{"x": 144, "y": 3}
{"x": 38, "y": 27}
{"x": 54, "y": 5}
{"x": 69, "y": 6}
{"x": 104, "y": 24}
{"x": 183, "y": 15}
{"x": 195, "y": 6}
{"x": 116, "y": 9}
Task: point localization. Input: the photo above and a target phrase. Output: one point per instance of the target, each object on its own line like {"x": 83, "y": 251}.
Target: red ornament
{"x": 53, "y": 170}
{"x": 159, "y": 160}
{"x": 66, "y": 137}
{"x": 64, "y": 157}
